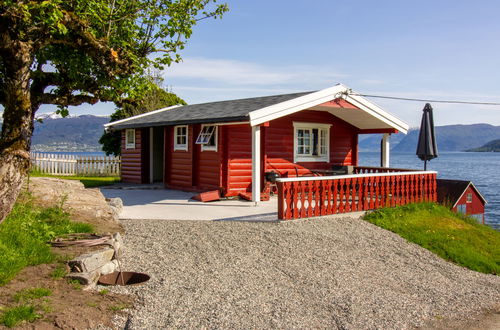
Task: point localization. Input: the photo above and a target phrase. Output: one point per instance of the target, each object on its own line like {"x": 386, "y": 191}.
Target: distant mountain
{"x": 371, "y": 142}
{"x": 82, "y": 133}
{"x": 492, "y": 146}
{"x": 73, "y": 133}
{"x": 449, "y": 138}
{"x": 454, "y": 137}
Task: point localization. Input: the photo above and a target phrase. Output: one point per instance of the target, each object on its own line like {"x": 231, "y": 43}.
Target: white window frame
{"x": 468, "y": 197}
{"x": 311, "y": 158}
{"x": 129, "y": 144}
{"x": 204, "y": 146}
{"x": 181, "y": 146}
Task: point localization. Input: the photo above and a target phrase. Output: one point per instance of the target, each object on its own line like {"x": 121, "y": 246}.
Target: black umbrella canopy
{"x": 427, "y": 147}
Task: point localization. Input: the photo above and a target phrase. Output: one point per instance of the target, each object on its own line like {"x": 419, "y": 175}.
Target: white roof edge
{"x": 477, "y": 190}
{"x": 282, "y": 109}
{"x": 141, "y": 115}
{"x": 378, "y": 112}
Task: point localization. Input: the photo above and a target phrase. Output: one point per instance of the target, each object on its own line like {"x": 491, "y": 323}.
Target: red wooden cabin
{"x": 462, "y": 197}
{"x": 229, "y": 145}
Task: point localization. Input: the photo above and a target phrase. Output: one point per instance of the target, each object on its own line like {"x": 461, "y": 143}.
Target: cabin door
{"x": 156, "y": 155}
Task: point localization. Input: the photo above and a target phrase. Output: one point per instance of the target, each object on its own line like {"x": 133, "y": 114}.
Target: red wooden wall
{"x": 230, "y": 167}
{"x": 132, "y": 159}
{"x": 239, "y": 159}
{"x": 476, "y": 206}
{"x": 277, "y": 148}
{"x": 193, "y": 169}
{"x": 179, "y": 163}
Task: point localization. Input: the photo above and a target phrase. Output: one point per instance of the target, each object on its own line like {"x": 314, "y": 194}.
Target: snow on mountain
{"x": 52, "y": 115}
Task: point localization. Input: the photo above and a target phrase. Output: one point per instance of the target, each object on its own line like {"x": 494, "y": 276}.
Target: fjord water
{"x": 482, "y": 168}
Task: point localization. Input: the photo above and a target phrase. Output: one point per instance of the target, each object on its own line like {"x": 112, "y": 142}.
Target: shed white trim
{"x": 473, "y": 187}
{"x": 373, "y": 115}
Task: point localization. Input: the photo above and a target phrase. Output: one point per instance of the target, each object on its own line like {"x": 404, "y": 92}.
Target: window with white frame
{"x": 208, "y": 138}
{"x": 181, "y": 137}
{"x": 130, "y": 138}
{"x": 311, "y": 142}
{"x": 469, "y": 197}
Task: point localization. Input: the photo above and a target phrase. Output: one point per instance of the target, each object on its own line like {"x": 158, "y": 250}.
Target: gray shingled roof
{"x": 213, "y": 112}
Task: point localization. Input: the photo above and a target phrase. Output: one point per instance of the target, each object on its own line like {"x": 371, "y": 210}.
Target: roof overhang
{"x": 363, "y": 113}
{"x": 110, "y": 125}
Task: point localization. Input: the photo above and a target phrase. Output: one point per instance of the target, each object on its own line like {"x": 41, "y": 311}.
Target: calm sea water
{"x": 482, "y": 168}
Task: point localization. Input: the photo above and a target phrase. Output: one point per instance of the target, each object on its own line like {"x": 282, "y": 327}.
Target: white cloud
{"x": 238, "y": 73}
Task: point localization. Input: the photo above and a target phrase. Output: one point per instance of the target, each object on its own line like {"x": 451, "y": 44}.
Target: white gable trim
{"x": 473, "y": 187}
{"x": 286, "y": 108}
{"x": 141, "y": 115}
{"x": 377, "y": 112}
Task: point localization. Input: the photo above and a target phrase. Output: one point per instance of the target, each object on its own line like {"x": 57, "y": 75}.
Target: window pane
{"x": 322, "y": 142}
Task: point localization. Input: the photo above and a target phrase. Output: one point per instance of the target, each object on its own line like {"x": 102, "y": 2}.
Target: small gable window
{"x": 469, "y": 197}
{"x": 181, "y": 137}
{"x": 311, "y": 142}
{"x": 208, "y": 138}
{"x": 130, "y": 138}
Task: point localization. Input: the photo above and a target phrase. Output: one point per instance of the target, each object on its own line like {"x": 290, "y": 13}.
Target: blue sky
{"x": 422, "y": 49}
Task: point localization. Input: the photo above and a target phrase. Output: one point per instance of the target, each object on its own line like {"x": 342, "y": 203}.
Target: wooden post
{"x": 256, "y": 164}
{"x": 385, "y": 150}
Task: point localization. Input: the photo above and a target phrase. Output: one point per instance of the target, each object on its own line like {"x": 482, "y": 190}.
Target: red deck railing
{"x": 304, "y": 197}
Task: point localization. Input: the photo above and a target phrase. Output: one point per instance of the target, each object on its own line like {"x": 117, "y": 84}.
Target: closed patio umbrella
{"x": 427, "y": 147}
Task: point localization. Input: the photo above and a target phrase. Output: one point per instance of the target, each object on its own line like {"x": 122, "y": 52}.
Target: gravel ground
{"x": 331, "y": 273}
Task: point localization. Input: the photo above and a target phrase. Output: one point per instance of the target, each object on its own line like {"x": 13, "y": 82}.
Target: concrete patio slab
{"x": 167, "y": 204}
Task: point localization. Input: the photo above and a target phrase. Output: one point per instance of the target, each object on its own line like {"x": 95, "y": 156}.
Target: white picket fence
{"x": 60, "y": 164}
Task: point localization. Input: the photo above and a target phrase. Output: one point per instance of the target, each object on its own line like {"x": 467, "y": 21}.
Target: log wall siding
{"x": 277, "y": 150}
{"x": 279, "y": 143}
{"x": 194, "y": 169}
{"x": 210, "y": 165}
{"x": 180, "y": 162}
{"x": 239, "y": 159}
{"x": 132, "y": 160}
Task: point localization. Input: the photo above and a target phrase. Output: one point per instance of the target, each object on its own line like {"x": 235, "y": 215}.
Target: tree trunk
{"x": 17, "y": 128}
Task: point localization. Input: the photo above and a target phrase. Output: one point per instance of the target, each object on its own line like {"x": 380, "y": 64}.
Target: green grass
{"x": 88, "y": 181}
{"x": 452, "y": 236}
{"x": 30, "y": 294}
{"x": 15, "y": 315}
{"x": 29, "y": 307}
{"x": 25, "y": 232}
{"x": 75, "y": 284}
{"x": 103, "y": 292}
{"x": 59, "y": 271}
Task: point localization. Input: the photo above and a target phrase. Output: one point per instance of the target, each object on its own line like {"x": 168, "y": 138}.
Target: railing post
{"x": 281, "y": 201}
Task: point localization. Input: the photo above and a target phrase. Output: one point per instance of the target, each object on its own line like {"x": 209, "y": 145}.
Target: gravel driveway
{"x": 321, "y": 273}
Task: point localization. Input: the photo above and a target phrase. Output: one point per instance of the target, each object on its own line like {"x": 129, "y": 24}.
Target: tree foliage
{"x": 156, "y": 98}
{"x": 69, "y": 52}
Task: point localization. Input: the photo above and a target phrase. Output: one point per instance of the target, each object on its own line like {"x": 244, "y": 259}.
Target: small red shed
{"x": 462, "y": 197}
{"x": 230, "y": 145}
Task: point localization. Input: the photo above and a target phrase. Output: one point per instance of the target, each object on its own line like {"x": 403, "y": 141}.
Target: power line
{"x": 424, "y": 100}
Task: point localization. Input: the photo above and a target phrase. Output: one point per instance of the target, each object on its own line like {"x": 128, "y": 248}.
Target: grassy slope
{"x": 88, "y": 181}
{"x": 24, "y": 233}
{"x": 452, "y": 236}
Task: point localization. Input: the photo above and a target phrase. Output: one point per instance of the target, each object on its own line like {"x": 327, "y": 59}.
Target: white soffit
{"x": 368, "y": 116}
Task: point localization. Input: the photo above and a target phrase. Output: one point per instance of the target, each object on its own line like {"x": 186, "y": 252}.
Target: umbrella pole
{"x": 425, "y": 165}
